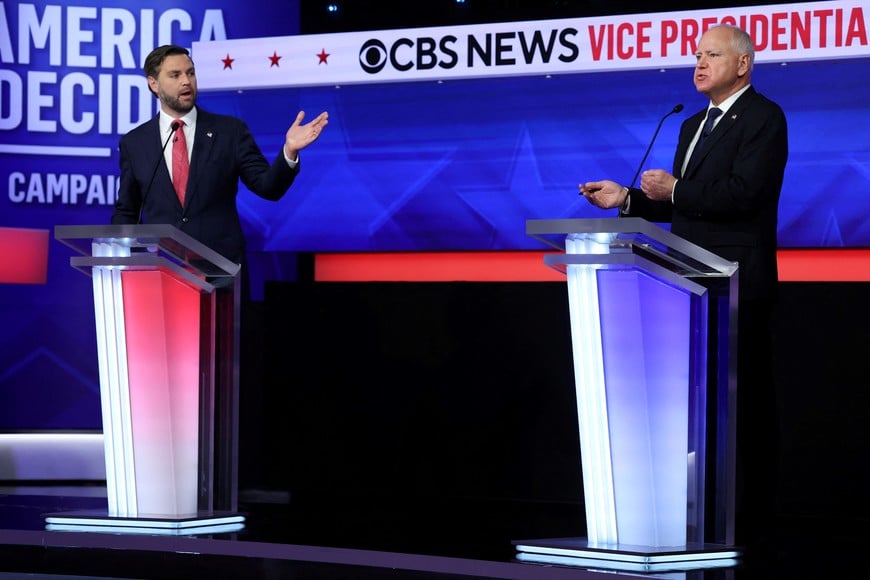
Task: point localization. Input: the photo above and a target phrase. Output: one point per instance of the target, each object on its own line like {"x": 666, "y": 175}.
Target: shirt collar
{"x": 727, "y": 103}
{"x": 166, "y": 120}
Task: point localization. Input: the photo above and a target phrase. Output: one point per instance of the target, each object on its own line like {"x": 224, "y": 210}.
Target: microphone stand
{"x": 676, "y": 109}
{"x": 172, "y": 129}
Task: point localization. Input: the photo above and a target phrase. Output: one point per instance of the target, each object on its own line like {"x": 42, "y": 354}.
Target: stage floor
{"x": 287, "y": 537}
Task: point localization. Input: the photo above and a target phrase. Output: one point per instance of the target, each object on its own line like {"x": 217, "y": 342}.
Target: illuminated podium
{"x": 653, "y": 326}
{"x": 167, "y": 322}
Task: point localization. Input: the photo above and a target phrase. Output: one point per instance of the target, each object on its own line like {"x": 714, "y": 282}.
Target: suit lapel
{"x": 722, "y": 128}
{"x": 202, "y": 147}
{"x": 687, "y": 132}
{"x": 162, "y": 180}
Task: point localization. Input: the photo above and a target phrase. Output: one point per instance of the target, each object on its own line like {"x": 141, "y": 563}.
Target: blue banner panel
{"x": 71, "y": 84}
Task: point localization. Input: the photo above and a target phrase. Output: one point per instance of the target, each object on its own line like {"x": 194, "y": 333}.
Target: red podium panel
{"x": 167, "y": 318}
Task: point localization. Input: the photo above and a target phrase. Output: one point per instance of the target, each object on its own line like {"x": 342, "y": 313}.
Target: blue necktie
{"x": 712, "y": 115}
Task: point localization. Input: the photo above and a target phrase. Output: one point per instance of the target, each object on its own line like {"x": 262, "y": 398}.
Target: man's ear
{"x": 743, "y": 65}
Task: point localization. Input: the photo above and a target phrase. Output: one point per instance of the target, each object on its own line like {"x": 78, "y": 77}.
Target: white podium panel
{"x": 653, "y": 326}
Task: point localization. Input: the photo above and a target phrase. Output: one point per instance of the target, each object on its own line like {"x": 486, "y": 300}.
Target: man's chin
{"x": 182, "y": 109}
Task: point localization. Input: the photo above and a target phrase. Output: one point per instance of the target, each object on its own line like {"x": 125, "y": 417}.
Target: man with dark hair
{"x": 193, "y": 185}
{"x": 197, "y": 194}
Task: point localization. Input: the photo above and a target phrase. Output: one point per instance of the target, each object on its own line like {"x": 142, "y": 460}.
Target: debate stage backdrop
{"x": 439, "y": 138}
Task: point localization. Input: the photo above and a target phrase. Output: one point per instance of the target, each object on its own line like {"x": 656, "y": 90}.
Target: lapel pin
{"x": 733, "y": 118}
{"x": 209, "y": 134}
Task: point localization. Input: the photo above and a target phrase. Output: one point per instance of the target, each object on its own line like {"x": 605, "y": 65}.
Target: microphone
{"x": 172, "y": 129}
{"x": 676, "y": 109}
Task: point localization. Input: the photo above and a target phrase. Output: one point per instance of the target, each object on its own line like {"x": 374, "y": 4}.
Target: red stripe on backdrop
{"x": 23, "y": 256}
{"x": 813, "y": 265}
{"x": 822, "y": 265}
{"x": 434, "y": 267}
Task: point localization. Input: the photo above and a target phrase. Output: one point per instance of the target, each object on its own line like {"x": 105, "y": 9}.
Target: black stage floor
{"x": 299, "y": 538}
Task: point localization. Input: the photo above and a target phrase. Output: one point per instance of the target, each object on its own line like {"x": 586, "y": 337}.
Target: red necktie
{"x": 180, "y": 164}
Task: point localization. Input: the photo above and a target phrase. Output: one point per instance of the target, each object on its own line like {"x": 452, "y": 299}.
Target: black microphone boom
{"x": 676, "y": 109}
{"x": 172, "y": 129}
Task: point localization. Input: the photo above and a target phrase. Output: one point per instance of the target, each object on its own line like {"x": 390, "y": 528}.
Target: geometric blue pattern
{"x": 460, "y": 165}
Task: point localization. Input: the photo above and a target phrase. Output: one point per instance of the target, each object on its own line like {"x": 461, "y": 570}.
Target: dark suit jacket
{"x": 224, "y": 151}
{"x": 727, "y": 200}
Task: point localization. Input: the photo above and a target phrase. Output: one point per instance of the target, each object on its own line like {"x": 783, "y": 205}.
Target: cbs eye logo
{"x": 373, "y": 56}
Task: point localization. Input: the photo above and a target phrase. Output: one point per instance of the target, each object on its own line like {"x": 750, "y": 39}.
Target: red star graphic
{"x": 228, "y": 62}
{"x": 274, "y": 58}
{"x": 323, "y": 56}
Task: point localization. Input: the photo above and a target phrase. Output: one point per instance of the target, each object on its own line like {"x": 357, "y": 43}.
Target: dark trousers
{"x": 758, "y": 425}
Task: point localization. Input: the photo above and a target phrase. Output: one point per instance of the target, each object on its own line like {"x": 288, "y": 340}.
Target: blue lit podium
{"x": 653, "y": 326}
{"x": 167, "y": 327}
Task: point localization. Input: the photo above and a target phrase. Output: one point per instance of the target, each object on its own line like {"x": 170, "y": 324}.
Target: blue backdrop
{"x": 462, "y": 164}
{"x": 457, "y": 165}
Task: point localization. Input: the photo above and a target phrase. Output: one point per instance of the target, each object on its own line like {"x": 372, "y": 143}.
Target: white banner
{"x": 783, "y": 32}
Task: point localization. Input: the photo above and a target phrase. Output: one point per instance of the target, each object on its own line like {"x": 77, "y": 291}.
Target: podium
{"x": 653, "y": 327}
{"x": 167, "y": 326}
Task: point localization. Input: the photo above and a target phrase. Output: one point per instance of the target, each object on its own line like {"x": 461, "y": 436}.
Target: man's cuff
{"x": 291, "y": 162}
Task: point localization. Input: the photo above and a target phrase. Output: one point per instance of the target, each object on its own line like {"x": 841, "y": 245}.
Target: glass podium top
{"x": 153, "y": 239}
{"x": 630, "y": 236}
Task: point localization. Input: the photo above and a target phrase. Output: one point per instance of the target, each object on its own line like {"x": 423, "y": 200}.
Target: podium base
{"x": 629, "y": 558}
{"x": 184, "y": 525}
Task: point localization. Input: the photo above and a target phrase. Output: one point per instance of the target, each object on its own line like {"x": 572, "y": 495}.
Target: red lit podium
{"x": 167, "y": 319}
